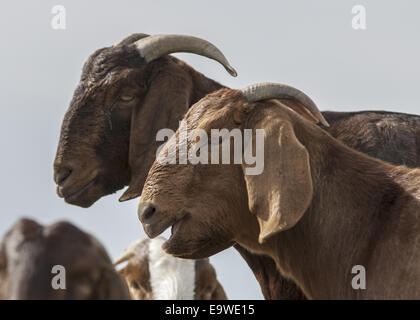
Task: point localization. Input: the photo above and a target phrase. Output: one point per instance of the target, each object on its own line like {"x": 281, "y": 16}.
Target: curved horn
{"x": 269, "y": 90}
{"x": 156, "y": 46}
{"x": 131, "y": 39}
{"x": 124, "y": 257}
{"x": 131, "y": 250}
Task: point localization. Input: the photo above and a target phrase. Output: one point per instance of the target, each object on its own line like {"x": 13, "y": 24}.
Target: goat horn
{"x": 131, "y": 39}
{"x": 124, "y": 257}
{"x": 156, "y": 46}
{"x": 131, "y": 250}
{"x": 269, "y": 90}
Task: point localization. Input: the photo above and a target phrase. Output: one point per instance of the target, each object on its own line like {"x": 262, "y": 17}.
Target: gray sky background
{"x": 308, "y": 44}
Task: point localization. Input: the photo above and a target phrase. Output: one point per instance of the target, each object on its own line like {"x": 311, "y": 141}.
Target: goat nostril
{"x": 62, "y": 175}
{"x": 147, "y": 212}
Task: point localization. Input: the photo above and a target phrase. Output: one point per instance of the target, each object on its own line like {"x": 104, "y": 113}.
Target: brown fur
{"x": 389, "y": 136}
{"x": 112, "y": 158}
{"x": 29, "y": 251}
{"x": 273, "y": 285}
{"x": 361, "y": 211}
{"x": 206, "y": 283}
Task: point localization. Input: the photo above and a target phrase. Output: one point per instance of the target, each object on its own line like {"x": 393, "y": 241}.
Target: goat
{"x": 108, "y": 134}
{"x": 151, "y": 274}
{"x": 318, "y": 209}
{"x": 29, "y": 251}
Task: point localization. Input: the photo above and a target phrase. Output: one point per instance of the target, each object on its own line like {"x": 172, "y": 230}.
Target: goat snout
{"x": 154, "y": 220}
{"x": 61, "y": 174}
{"x": 146, "y": 212}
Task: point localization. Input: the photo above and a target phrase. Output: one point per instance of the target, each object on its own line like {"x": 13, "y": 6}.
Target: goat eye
{"x": 126, "y": 98}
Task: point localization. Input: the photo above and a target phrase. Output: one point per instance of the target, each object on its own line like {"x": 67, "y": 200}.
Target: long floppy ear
{"x": 165, "y": 104}
{"x": 206, "y": 283}
{"x": 2, "y": 270}
{"x": 2, "y": 256}
{"x": 281, "y": 194}
{"x": 219, "y": 293}
{"x": 112, "y": 287}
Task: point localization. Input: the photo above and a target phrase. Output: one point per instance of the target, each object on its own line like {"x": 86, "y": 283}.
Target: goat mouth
{"x": 154, "y": 230}
{"x": 75, "y": 194}
{"x": 175, "y": 227}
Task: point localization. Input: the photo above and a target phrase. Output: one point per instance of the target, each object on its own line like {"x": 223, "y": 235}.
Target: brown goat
{"x": 152, "y": 274}
{"x": 29, "y": 251}
{"x": 318, "y": 209}
{"x": 117, "y": 144}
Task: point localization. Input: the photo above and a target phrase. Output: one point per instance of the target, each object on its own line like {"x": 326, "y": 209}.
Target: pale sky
{"x": 307, "y": 44}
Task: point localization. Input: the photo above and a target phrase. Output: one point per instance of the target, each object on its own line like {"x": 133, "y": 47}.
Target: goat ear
{"x": 165, "y": 104}
{"x": 207, "y": 285}
{"x": 300, "y": 109}
{"x": 219, "y": 293}
{"x": 2, "y": 269}
{"x": 2, "y": 256}
{"x": 112, "y": 287}
{"x": 281, "y": 194}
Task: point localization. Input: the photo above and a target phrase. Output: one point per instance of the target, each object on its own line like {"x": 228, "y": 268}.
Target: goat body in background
{"x": 29, "y": 252}
{"x": 152, "y": 274}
